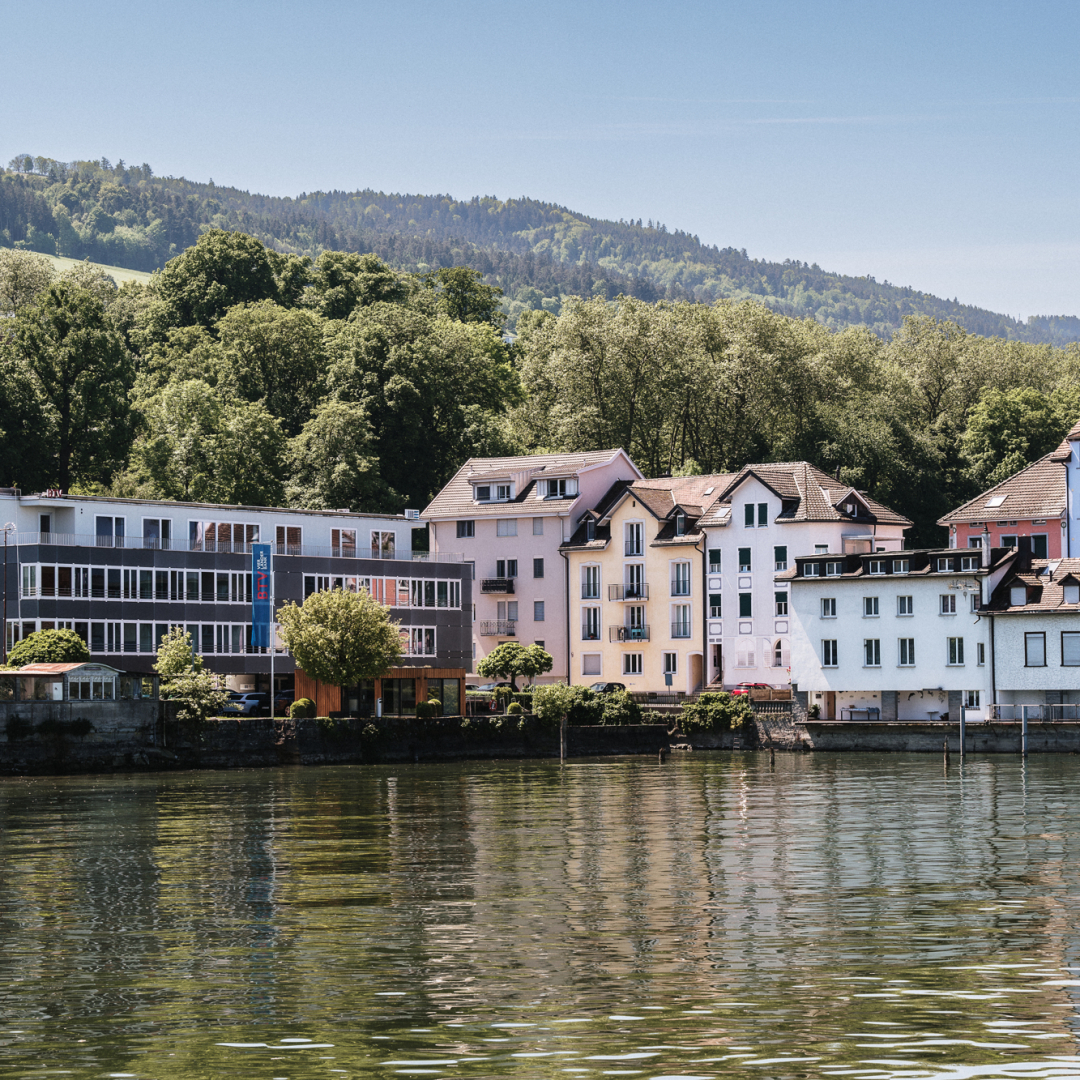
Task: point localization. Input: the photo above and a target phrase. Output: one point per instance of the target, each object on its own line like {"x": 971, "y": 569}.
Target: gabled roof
{"x": 1045, "y": 581}
{"x": 808, "y": 494}
{"x": 1038, "y": 491}
{"x": 456, "y": 498}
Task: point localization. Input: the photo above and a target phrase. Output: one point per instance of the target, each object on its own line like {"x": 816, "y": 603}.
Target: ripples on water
{"x": 845, "y": 916}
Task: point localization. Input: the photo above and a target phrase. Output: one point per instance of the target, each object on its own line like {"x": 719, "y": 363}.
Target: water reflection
{"x": 861, "y": 916}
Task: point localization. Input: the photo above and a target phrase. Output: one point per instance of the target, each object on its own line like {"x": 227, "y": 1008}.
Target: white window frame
{"x": 905, "y": 602}
{"x": 633, "y": 663}
{"x": 587, "y": 658}
{"x": 954, "y": 652}
{"x": 590, "y": 570}
{"x": 830, "y": 656}
{"x": 947, "y": 604}
{"x": 871, "y": 652}
{"x": 871, "y": 607}
{"x": 828, "y": 607}
{"x": 905, "y": 652}
{"x": 506, "y": 526}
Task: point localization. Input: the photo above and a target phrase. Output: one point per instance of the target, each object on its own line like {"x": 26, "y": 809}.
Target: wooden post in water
{"x": 945, "y": 748}
{"x": 1023, "y": 730}
{"x": 963, "y": 734}
{"x": 562, "y": 740}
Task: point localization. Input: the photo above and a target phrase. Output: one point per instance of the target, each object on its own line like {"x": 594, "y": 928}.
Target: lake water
{"x": 853, "y": 916}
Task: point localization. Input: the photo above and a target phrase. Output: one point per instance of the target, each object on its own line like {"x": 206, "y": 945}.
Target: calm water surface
{"x": 857, "y": 916}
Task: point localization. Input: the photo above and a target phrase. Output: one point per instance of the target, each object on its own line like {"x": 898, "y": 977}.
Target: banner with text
{"x": 262, "y": 607}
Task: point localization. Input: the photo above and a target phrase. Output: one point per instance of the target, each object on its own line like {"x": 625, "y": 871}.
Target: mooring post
{"x": 562, "y": 740}
{"x": 1023, "y": 730}
{"x": 963, "y": 731}
{"x": 945, "y": 748}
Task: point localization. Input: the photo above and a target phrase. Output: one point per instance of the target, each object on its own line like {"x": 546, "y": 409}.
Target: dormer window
{"x": 590, "y": 529}
{"x": 483, "y": 493}
{"x": 563, "y": 488}
{"x": 494, "y": 492}
{"x": 502, "y": 492}
{"x": 680, "y": 524}
{"x": 877, "y": 566}
{"x": 1072, "y": 592}
{"x": 944, "y": 565}
{"x": 1018, "y": 596}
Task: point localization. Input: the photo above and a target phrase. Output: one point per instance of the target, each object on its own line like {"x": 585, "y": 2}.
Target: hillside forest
{"x": 243, "y": 375}
{"x": 537, "y": 253}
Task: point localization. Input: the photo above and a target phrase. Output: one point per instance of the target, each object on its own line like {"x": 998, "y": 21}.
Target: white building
{"x": 894, "y": 635}
{"x": 756, "y": 526}
{"x": 510, "y": 516}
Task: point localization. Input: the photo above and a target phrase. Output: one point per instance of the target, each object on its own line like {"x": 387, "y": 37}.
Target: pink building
{"x": 510, "y": 516}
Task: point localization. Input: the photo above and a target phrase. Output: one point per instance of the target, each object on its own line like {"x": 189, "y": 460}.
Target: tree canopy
{"x": 49, "y": 647}
{"x": 512, "y": 660}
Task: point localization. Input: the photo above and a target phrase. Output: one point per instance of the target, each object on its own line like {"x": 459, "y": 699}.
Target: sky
{"x": 928, "y": 144}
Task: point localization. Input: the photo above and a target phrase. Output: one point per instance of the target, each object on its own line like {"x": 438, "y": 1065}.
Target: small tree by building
{"x": 49, "y": 647}
{"x": 514, "y": 661}
{"x": 198, "y": 694}
{"x": 341, "y": 637}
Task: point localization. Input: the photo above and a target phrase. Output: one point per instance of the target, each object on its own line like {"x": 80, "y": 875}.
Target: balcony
{"x": 639, "y": 591}
{"x": 628, "y": 633}
{"x": 497, "y": 585}
{"x": 498, "y": 628}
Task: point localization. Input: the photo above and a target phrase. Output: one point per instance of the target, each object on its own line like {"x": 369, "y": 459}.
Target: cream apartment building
{"x": 510, "y": 517}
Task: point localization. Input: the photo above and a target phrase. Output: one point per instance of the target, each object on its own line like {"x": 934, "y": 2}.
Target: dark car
{"x": 607, "y": 687}
{"x": 282, "y": 700}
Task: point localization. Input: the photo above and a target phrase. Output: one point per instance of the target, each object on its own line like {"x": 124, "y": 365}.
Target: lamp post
{"x": 8, "y": 527}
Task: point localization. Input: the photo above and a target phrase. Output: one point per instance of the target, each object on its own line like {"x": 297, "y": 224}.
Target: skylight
{"x": 997, "y": 500}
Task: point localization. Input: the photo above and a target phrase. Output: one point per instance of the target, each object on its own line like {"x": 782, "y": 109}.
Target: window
{"x": 1018, "y": 595}
{"x": 715, "y": 560}
{"x": 970, "y": 562}
{"x": 901, "y": 566}
{"x": 590, "y": 583}
{"x": 877, "y": 566}
{"x": 506, "y": 527}
{"x": 680, "y": 524}
{"x": 343, "y": 542}
{"x": 472, "y": 569}
{"x": 870, "y": 607}
{"x": 944, "y": 565}
{"x": 810, "y": 569}
{"x": 975, "y": 542}
{"x": 538, "y": 568}
{"x": 744, "y": 560}
{"x": 971, "y": 699}
{"x": 828, "y": 607}
{"x": 563, "y": 488}
{"x": 421, "y": 641}
{"x": 1071, "y": 593}
{"x": 507, "y": 611}
{"x": 502, "y": 492}
{"x": 590, "y": 663}
{"x": 538, "y": 527}
{"x": 382, "y": 545}
{"x": 716, "y": 604}
{"x": 1070, "y": 648}
{"x": 157, "y": 533}
{"x": 746, "y": 605}
{"x": 590, "y": 624}
{"x": 538, "y": 611}
{"x": 907, "y": 652}
{"x": 634, "y": 532}
{"x": 590, "y": 528}
{"x": 834, "y": 569}
{"x": 828, "y": 653}
{"x": 821, "y": 549}
{"x": 980, "y": 652}
{"x": 1008, "y": 541}
{"x": 506, "y": 568}
{"x": 762, "y": 515}
{"x": 1035, "y": 650}
{"x": 1038, "y": 546}
{"x": 671, "y": 663}
{"x": 631, "y": 663}
{"x": 466, "y": 529}
{"x": 956, "y": 652}
{"x": 680, "y": 579}
{"x": 780, "y": 557}
{"x": 948, "y": 604}
{"x": 871, "y": 652}
{"x": 781, "y": 603}
{"x": 778, "y": 654}
{"x": 748, "y": 515}
{"x": 905, "y": 605}
{"x": 680, "y": 621}
{"x": 483, "y": 493}
{"x": 110, "y": 531}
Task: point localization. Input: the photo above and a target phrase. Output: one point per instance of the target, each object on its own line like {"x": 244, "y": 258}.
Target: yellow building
{"x": 636, "y": 565}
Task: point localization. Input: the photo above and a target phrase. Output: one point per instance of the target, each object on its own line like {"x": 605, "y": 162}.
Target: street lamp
{"x": 8, "y": 528}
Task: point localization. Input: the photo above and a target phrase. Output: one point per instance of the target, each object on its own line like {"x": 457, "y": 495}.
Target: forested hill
{"x": 537, "y": 252}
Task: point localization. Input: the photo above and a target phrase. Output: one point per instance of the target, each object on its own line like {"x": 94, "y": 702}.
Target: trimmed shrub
{"x": 428, "y": 710}
{"x": 302, "y": 709}
{"x": 716, "y": 712}
{"x": 578, "y": 704}
{"x": 618, "y": 708}
{"x": 514, "y": 709}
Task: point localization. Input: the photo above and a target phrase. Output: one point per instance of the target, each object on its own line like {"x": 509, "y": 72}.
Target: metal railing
{"x": 497, "y": 585}
{"x": 588, "y": 593}
{"x": 228, "y": 547}
{"x": 680, "y": 587}
{"x": 632, "y": 547}
{"x": 628, "y": 633}
{"x": 589, "y": 633}
{"x": 680, "y": 629}
{"x": 498, "y": 627}
{"x": 636, "y": 591}
{"x": 1039, "y": 713}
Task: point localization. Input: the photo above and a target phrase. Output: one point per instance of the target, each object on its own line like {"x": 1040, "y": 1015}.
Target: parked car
{"x": 744, "y": 688}
{"x": 607, "y": 687}
{"x": 246, "y": 704}
{"x": 282, "y": 700}
{"x": 488, "y": 687}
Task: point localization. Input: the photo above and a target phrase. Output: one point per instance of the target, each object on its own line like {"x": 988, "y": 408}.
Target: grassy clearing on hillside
{"x": 119, "y": 274}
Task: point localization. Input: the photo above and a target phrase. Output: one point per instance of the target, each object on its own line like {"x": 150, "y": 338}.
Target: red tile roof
{"x": 1038, "y": 491}
{"x": 1044, "y": 582}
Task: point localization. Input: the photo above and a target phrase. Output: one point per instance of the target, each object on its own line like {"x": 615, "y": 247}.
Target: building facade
{"x": 120, "y": 572}
{"x": 895, "y": 635}
{"x": 756, "y": 525}
{"x": 509, "y": 517}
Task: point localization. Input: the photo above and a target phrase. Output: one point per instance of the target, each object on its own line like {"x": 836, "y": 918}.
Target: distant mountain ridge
{"x": 538, "y": 253}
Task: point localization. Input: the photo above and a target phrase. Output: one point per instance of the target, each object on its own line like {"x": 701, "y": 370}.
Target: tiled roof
{"x": 1044, "y": 580}
{"x": 59, "y": 669}
{"x": 456, "y": 498}
{"x": 808, "y": 495}
{"x": 1039, "y": 491}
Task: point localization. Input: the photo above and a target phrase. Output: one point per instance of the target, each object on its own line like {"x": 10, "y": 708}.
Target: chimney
{"x": 985, "y": 547}
{"x": 837, "y": 472}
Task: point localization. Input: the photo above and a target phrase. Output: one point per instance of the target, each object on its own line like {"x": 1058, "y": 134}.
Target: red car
{"x": 744, "y": 688}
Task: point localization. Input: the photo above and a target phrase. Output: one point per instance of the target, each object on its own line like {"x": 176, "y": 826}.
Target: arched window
{"x": 778, "y": 654}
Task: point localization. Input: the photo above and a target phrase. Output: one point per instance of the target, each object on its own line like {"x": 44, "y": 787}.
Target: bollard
{"x": 1023, "y": 730}
{"x": 963, "y": 733}
{"x": 945, "y": 748}
{"x": 562, "y": 740}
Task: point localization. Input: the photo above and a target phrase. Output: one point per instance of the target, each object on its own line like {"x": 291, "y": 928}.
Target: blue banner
{"x": 261, "y": 603}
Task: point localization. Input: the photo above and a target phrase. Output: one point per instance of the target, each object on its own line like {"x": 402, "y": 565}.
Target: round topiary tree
{"x": 49, "y": 647}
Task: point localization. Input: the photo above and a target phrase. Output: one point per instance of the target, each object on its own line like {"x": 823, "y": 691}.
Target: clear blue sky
{"x": 930, "y": 144}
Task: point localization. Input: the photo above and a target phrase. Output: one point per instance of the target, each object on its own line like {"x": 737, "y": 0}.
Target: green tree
{"x": 462, "y": 295}
{"x": 716, "y": 712}
{"x": 343, "y": 281}
{"x": 200, "y": 447}
{"x": 83, "y": 374}
{"x": 514, "y": 661}
{"x": 333, "y": 462}
{"x": 27, "y": 432}
{"x": 24, "y": 276}
{"x": 49, "y": 647}
{"x": 198, "y": 693}
{"x": 341, "y": 637}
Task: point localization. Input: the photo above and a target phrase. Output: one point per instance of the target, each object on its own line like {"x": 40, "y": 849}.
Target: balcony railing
{"x": 632, "y": 547}
{"x": 497, "y": 585}
{"x": 226, "y": 547}
{"x": 589, "y": 593}
{"x": 1045, "y": 714}
{"x": 628, "y": 633}
{"x": 680, "y": 587}
{"x": 498, "y": 628}
{"x": 638, "y": 591}
{"x": 680, "y": 629}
